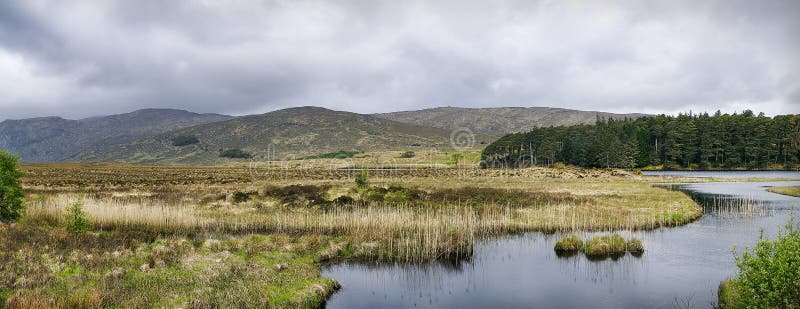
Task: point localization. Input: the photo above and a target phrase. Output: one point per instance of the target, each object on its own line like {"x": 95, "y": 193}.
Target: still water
{"x": 681, "y": 266}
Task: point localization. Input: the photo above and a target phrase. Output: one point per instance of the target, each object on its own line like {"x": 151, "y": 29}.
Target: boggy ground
{"x": 252, "y": 237}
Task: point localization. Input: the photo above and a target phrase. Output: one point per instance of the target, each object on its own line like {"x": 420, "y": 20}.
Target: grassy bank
{"x": 44, "y": 265}
{"x": 172, "y": 234}
{"x": 787, "y": 190}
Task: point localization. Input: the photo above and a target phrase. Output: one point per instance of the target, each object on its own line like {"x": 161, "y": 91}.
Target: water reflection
{"x": 683, "y": 264}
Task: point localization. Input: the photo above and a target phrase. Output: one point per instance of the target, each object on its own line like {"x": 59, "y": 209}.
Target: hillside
{"x": 501, "y": 120}
{"x": 288, "y": 132}
{"x": 50, "y": 139}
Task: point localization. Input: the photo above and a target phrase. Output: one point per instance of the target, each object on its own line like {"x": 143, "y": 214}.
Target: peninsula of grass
{"x": 787, "y": 190}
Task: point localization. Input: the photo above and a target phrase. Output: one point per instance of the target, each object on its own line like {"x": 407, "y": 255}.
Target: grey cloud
{"x": 85, "y": 58}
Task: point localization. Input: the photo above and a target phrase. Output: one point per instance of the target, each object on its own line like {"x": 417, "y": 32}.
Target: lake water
{"x": 682, "y": 265}
{"x": 727, "y": 174}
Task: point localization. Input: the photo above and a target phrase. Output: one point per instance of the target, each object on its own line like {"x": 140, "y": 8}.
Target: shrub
{"x": 396, "y": 196}
{"x": 768, "y": 274}
{"x": 559, "y": 166}
{"x": 235, "y": 154}
{"x": 362, "y": 179}
{"x": 407, "y": 154}
{"x": 455, "y": 158}
{"x": 569, "y": 245}
{"x": 183, "y": 140}
{"x": 239, "y": 197}
{"x": 11, "y": 194}
{"x": 75, "y": 218}
{"x": 341, "y": 154}
{"x": 299, "y": 195}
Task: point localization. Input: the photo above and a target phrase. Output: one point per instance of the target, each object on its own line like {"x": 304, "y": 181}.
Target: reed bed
{"x": 376, "y": 231}
{"x": 736, "y": 207}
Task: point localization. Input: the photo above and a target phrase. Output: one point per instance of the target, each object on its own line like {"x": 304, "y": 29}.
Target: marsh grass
{"x": 568, "y": 245}
{"x": 599, "y": 247}
{"x": 736, "y": 207}
{"x": 605, "y": 246}
{"x": 385, "y": 221}
{"x": 184, "y": 237}
{"x": 44, "y": 266}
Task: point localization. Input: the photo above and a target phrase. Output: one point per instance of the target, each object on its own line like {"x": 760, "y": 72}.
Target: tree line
{"x": 686, "y": 141}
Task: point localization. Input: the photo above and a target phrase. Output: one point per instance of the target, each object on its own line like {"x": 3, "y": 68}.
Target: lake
{"x": 681, "y": 265}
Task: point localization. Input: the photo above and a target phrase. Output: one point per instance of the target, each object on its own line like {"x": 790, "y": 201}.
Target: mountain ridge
{"x": 53, "y": 138}
{"x": 500, "y": 120}
{"x": 146, "y": 135}
{"x": 293, "y": 131}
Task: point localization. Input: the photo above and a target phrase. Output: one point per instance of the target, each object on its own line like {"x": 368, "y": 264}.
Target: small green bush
{"x": 11, "y": 194}
{"x": 183, "y": 140}
{"x": 239, "y": 197}
{"x": 362, "y": 179}
{"x": 75, "y": 219}
{"x": 396, "y": 196}
{"x": 407, "y": 154}
{"x": 235, "y": 154}
{"x": 768, "y": 274}
{"x": 455, "y": 158}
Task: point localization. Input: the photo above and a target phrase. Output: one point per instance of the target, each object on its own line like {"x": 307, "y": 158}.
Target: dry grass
{"x": 454, "y": 212}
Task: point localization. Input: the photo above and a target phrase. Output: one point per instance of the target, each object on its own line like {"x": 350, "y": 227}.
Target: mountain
{"x": 51, "y": 139}
{"x": 288, "y": 132}
{"x": 501, "y": 120}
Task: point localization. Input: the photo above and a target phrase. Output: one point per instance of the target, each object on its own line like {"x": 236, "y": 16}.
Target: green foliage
{"x": 721, "y": 141}
{"x": 455, "y": 158}
{"x": 341, "y": 154}
{"x": 768, "y": 273}
{"x": 362, "y": 179}
{"x": 235, "y": 154}
{"x": 183, "y": 140}
{"x": 407, "y": 154}
{"x": 11, "y": 194}
{"x": 75, "y": 219}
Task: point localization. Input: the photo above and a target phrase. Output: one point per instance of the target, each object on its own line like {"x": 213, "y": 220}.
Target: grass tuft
{"x": 568, "y": 245}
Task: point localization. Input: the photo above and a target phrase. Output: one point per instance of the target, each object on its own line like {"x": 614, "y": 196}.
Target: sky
{"x": 85, "y": 58}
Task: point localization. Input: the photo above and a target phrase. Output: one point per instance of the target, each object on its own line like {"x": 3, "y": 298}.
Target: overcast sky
{"x": 83, "y": 58}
